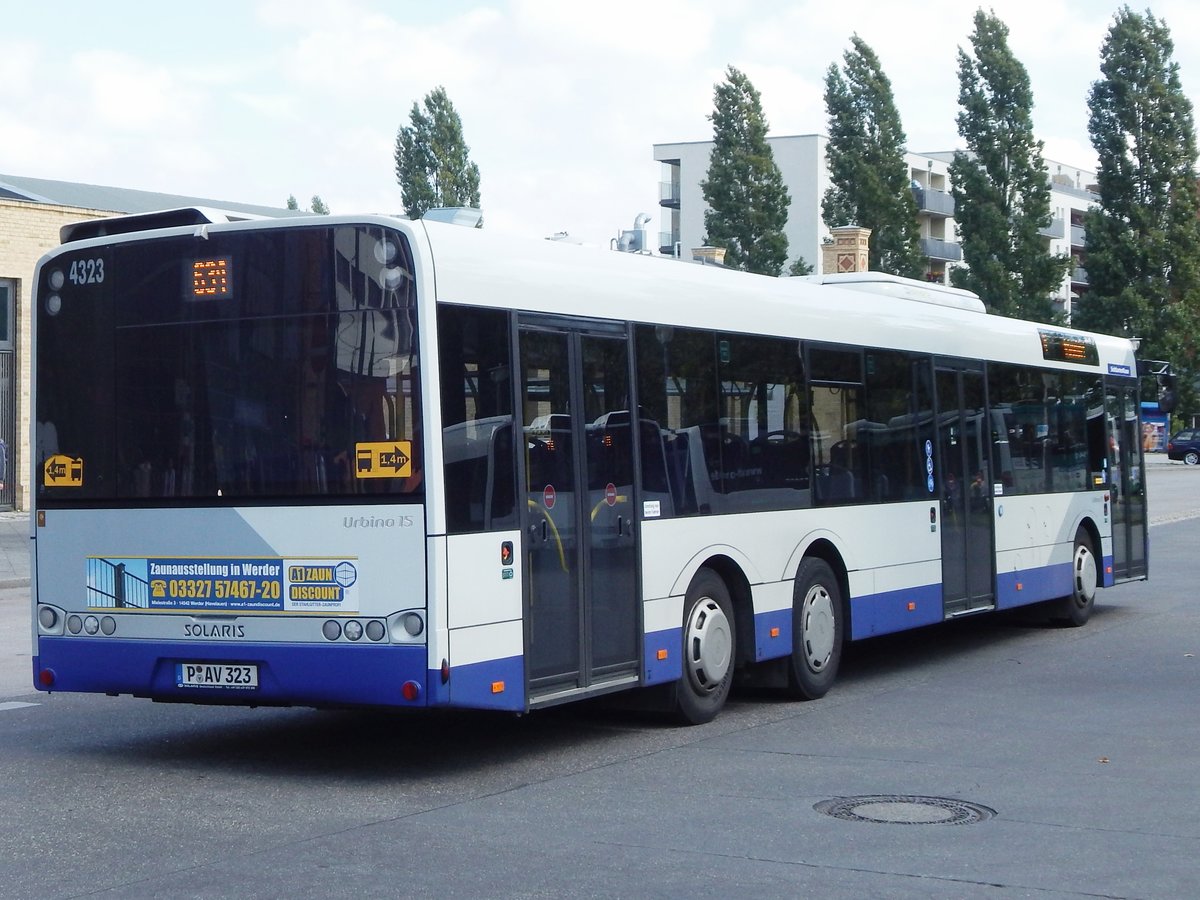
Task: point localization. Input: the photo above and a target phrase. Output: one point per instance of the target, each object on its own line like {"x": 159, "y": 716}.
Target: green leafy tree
{"x": 747, "y": 200}
{"x": 1001, "y": 191}
{"x": 1143, "y": 238}
{"x": 800, "y": 267}
{"x": 868, "y": 173}
{"x": 318, "y": 206}
{"x": 433, "y": 165}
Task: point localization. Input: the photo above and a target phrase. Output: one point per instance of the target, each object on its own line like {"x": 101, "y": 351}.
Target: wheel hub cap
{"x": 709, "y": 643}
{"x": 817, "y": 622}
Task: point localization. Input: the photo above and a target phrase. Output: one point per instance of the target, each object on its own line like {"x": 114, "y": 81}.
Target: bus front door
{"x": 579, "y": 528}
{"x": 964, "y": 440}
{"x": 1126, "y": 483}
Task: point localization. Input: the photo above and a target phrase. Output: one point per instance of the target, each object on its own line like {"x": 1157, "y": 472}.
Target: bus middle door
{"x": 582, "y": 619}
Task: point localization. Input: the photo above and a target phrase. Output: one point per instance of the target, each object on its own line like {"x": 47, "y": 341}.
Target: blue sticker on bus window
{"x": 1115, "y": 369}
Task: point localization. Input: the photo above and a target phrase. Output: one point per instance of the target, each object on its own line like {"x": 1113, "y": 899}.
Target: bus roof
{"x": 484, "y": 268}
{"x": 881, "y": 311}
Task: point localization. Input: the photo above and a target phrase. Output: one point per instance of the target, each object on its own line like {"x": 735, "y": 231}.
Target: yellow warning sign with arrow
{"x": 383, "y": 459}
{"x": 61, "y": 470}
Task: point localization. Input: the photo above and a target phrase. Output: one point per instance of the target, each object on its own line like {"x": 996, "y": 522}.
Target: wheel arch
{"x": 1088, "y": 525}
{"x": 825, "y": 549}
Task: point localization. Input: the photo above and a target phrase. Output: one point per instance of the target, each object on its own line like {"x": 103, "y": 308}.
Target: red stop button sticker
{"x": 549, "y": 496}
{"x": 610, "y": 494}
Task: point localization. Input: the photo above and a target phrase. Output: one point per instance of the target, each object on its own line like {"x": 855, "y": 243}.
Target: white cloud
{"x": 561, "y": 102}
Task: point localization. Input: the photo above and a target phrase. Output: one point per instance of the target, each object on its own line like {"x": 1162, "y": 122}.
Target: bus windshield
{"x": 278, "y": 363}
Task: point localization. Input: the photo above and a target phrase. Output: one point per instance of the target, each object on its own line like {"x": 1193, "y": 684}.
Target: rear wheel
{"x": 709, "y": 640}
{"x": 1076, "y": 608}
{"x": 1192, "y": 457}
{"x": 817, "y": 630}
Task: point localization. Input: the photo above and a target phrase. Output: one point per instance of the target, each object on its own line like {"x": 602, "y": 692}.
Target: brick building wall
{"x": 27, "y": 230}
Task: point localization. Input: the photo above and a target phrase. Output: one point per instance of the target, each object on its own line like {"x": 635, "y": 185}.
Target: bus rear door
{"x": 967, "y": 528}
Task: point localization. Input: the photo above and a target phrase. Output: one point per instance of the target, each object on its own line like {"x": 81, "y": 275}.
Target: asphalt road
{"x": 1081, "y": 742}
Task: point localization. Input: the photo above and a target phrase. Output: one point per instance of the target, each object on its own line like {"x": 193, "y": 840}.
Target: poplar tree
{"x": 433, "y": 164}
{"x": 747, "y": 200}
{"x": 870, "y": 184}
{"x": 1000, "y": 187}
{"x": 1142, "y": 238}
{"x": 318, "y": 205}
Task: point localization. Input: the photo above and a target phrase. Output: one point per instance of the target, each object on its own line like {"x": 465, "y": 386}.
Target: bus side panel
{"x": 1035, "y": 541}
{"x": 904, "y": 596}
{"x": 484, "y": 620}
{"x": 488, "y": 669}
{"x": 663, "y": 642}
{"x": 891, "y": 553}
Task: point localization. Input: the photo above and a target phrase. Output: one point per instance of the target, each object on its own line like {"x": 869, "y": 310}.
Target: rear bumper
{"x": 288, "y": 674}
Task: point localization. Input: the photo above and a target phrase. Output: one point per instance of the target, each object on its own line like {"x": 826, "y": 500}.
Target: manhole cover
{"x": 899, "y": 810}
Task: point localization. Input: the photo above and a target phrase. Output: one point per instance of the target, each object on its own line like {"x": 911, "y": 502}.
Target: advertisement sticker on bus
{"x": 223, "y": 585}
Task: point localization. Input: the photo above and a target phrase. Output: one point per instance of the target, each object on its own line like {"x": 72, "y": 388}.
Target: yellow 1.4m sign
{"x": 61, "y": 470}
{"x": 383, "y": 459}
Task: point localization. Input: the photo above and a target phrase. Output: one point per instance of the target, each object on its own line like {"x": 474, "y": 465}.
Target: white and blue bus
{"x": 341, "y": 461}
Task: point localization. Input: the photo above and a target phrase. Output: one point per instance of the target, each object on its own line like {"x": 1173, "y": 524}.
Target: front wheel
{"x": 709, "y": 639}
{"x": 1191, "y": 457}
{"x": 817, "y": 630}
{"x": 1076, "y": 608}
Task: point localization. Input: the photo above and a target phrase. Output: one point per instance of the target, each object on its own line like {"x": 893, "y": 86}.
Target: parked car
{"x": 1185, "y": 445}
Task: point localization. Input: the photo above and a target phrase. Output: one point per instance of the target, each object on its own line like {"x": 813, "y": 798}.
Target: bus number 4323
{"x": 87, "y": 271}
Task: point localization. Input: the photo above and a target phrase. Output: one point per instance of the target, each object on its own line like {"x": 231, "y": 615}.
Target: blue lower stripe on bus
{"x": 891, "y": 611}
{"x": 772, "y": 634}
{"x": 299, "y": 674}
{"x": 493, "y": 684}
{"x": 664, "y": 655}
{"x": 1032, "y": 585}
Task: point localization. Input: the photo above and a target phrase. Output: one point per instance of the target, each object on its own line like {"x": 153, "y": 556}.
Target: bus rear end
{"x": 228, "y": 467}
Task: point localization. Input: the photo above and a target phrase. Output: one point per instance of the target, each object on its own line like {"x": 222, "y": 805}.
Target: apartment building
{"x": 802, "y": 162}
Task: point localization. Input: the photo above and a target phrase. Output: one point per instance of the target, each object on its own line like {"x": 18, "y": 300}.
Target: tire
{"x": 1192, "y": 457}
{"x": 1075, "y": 609}
{"x": 709, "y": 647}
{"x": 818, "y": 630}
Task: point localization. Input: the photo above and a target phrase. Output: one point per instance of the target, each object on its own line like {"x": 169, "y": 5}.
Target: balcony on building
{"x": 1079, "y": 275}
{"x": 666, "y": 242}
{"x": 1077, "y": 235}
{"x": 668, "y": 194}
{"x": 1057, "y": 230}
{"x": 933, "y": 203}
{"x": 933, "y": 248}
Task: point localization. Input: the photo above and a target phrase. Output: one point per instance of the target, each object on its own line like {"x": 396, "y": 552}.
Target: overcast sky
{"x": 561, "y": 101}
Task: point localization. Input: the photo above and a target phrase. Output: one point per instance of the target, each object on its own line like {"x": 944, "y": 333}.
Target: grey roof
{"x": 115, "y": 199}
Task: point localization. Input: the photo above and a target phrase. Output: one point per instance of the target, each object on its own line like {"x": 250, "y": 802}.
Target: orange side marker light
{"x": 497, "y": 687}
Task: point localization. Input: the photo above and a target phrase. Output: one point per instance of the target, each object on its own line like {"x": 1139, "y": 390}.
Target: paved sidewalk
{"x": 14, "y": 549}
